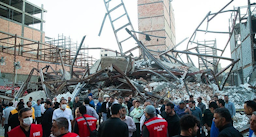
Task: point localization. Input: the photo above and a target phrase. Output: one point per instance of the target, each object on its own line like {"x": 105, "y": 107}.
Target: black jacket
{"x": 113, "y": 127}
{"x": 13, "y": 120}
{"x": 229, "y": 131}
{"x": 103, "y": 107}
{"x": 207, "y": 119}
{"x": 47, "y": 122}
{"x": 173, "y": 124}
{"x": 76, "y": 104}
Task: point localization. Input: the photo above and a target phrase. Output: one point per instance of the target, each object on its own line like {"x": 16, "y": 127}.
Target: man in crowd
{"x": 230, "y": 106}
{"x": 56, "y": 103}
{"x": 63, "y": 111}
{"x": 166, "y": 100}
{"x": 29, "y": 104}
{"x": 154, "y": 126}
{"x": 128, "y": 103}
{"x": 181, "y": 109}
{"x": 249, "y": 108}
{"x": 214, "y": 129}
{"x": 221, "y": 103}
{"x": 60, "y": 128}
{"x": 189, "y": 126}
{"x": 104, "y": 107}
{"x": 101, "y": 93}
{"x": 208, "y": 117}
{"x": 13, "y": 120}
{"x": 111, "y": 102}
{"x": 26, "y": 127}
{"x": 6, "y": 113}
{"x": 89, "y": 110}
{"x": 38, "y": 114}
{"x": 81, "y": 125}
{"x": 47, "y": 119}
{"x": 136, "y": 114}
{"x": 172, "y": 119}
{"x": 121, "y": 102}
{"x": 200, "y": 104}
{"x": 133, "y": 105}
{"x": 70, "y": 103}
{"x": 195, "y": 111}
{"x": 114, "y": 127}
{"x": 253, "y": 124}
{"x": 222, "y": 119}
{"x": 76, "y": 104}
{"x": 128, "y": 120}
{"x": 32, "y": 101}
{"x": 98, "y": 108}
{"x": 215, "y": 98}
{"x": 191, "y": 98}
{"x": 91, "y": 103}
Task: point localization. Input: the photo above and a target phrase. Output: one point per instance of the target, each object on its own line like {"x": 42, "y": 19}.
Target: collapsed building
{"x": 160, "y": 71}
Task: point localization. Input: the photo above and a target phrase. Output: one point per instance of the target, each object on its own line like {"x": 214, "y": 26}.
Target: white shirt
{"x": 42, "y": 108}
{"x": 253, "y": 135}
{"x": 67, "y": 113}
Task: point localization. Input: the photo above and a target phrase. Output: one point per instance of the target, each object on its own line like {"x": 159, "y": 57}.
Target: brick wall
{"x": 156, "y": 18}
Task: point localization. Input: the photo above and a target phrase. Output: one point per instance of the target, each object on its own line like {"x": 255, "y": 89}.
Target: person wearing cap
{"x": 181, "y": 109}
{"x": 230, "y": 106}
{"x": 136, "y": 114}
{"x": 104, "y": 107}
{"x": 154, "y": 126}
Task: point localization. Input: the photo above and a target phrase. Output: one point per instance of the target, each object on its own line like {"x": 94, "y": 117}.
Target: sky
{"x": 84, "y": 17}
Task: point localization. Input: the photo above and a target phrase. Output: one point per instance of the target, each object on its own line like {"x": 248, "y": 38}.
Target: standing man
{"x": 208, "y": 117}
{"x": 181, "y": 109}
{"x": 121, "y": 102}
{"x": 200, "y": 104}
{"x": 63, "y": 111}
{"x": 104, "y": 107}
{"x": 6, "y": 113}
{"x": 77, "y": 103}
{"x": 47, "y": 119}
{"x": 114, "y": 127}
{"x": 91, "y": 103}
{"x": 38, "y": 114}
{"x": 222, "y": 119}
{"x": 215, "y": 98}
{"x": 253, "y": 124}
{"x": 81, "y": 126}
{"x": 191, "y": 98}
{"x": 166, "y": 100}
{"x": 136, "y": 114}
{"x": 98, "y": 108}
{"x": 101, "y": 93}
{"x": 70, "y": 103}
{"x": 60, "y": 128}
{"x": 249, "y": 108}
{"x": 189, "y": 126}
{"x": 172, "y": 119}
{"x": 29, "y": 104}
{"x": 26, "y": 128}
{"x": 230, "y": 106}
{"x": 128, "y": 103}
{"x": 128, "y": 120}
{"x": 31, "y": 100}
{"x": 89, "y": 110}
{"x": 195, "y": 111}
{"x": 154, "y": 126}
{"x": 56, "y": 104}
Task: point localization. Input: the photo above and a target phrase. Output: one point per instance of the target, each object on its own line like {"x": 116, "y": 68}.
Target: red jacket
{"x": 82, "y": 126}
{"x": 70, "y": 135}
{"x": 157, "y": 127}
{"x": 35, "y": 131}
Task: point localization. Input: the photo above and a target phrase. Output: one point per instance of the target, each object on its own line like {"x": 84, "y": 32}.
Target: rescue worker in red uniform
{"x": 60, "y": 128}
{"x": 81, "y": 127}
{"x": 154, "y": 126}
{"x": 26, "y": 128}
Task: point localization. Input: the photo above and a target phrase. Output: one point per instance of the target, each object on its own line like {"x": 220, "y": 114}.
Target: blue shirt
{"x": 37, "y": 110}
{"x": 179, "y": 112}
{"x": 197, "y": 113}
{"x": 250, "y": 132}
{"x": 92, "y": 103}
{"x": 214, "y": 130}
{"x": 231, "y": 108}
{"x": 98, "y": 107}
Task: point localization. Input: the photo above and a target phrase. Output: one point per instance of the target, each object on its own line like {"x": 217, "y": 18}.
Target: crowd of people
{"x": 123, "y": 117}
